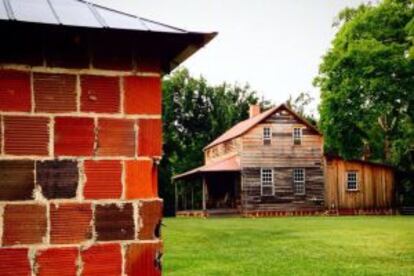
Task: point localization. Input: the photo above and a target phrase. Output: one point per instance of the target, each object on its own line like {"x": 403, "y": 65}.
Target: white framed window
{"x": 267, "y": 136}
{"x": 297, "y": 135}
{"x": 299, "y": 181}
{"x": 266, "y": 182}
{"x": 352, "y": 180}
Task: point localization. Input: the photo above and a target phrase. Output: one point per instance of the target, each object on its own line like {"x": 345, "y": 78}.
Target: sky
{"x": 274, "y": 45}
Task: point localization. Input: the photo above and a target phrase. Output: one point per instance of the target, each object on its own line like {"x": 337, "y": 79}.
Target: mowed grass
{"x": 359, "y": 245}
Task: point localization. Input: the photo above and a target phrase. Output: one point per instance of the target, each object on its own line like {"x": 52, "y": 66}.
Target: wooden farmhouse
{"x": 273, "y": 164}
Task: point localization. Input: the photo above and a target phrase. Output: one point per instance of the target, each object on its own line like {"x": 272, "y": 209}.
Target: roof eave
{"x": 190, "y": 50}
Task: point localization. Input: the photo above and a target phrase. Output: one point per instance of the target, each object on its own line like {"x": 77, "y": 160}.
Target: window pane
{"x": 297, "y": 136}
{"x": 299, "y": 181}
{"x": 267, "y": 181}
{"x": 267, "y": 135}
{"x": 352, "y": 183}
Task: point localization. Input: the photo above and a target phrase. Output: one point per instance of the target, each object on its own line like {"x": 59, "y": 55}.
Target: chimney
{"x": 254, "y": 110}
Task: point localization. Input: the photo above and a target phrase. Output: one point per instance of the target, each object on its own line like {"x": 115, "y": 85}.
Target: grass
{"x": 356, "y": 245}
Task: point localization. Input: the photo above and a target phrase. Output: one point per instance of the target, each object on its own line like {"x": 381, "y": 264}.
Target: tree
{"x": 367, "y": 84}
{"x": 300, "y": 103}
{"x": 195, "y": 113}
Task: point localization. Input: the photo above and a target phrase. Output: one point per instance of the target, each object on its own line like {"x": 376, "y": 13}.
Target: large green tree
{"x": 195, "y": 113}
{"x": 367, "y": 84}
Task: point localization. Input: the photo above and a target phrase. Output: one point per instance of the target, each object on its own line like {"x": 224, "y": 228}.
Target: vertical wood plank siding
{"x": 375, "y": 185}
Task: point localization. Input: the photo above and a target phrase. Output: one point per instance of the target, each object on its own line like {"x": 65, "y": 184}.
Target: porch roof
{"x": 230, "y": 164}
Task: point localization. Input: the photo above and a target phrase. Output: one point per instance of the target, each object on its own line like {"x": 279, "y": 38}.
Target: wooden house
{"x": 273, "y": 164}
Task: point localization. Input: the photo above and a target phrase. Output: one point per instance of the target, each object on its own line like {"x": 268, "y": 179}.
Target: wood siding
{"x": 375, "y": 185}
{"x": 284, "y": 197}
{"x": 222, "y": 151}
{"x": 282, "y": 156}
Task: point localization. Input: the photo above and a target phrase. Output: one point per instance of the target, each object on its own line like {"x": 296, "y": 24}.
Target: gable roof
{"x": 244, "y": 126}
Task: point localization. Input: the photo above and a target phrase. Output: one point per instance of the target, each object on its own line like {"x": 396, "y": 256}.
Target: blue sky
{"x": 274, "y": 45}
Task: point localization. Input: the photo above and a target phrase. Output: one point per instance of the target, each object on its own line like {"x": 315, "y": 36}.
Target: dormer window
{"x": 297, "y": 135}
{"x": 267, "y": 136}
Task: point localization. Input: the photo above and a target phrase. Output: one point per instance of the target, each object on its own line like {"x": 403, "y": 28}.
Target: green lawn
{"x": 356, "y": 245}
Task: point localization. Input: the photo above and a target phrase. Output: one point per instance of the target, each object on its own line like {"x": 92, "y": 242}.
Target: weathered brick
{"x": 70, "y": 223}
{"x": 116, "y": 137}
{"x": 14, "y": 262}
{"x": 150, "y": 214}
{"x": 57, "y": 178}
{"x": 149, "y": 137}
{"x": 74, "y": 136}
{"x": 54, "y": 92}
{"x": 103, "y": 179}
{"x": 24, "y": 224}
{"x": 143, "y": 259}
{"x": 57, "y": 261}
{"x": 113, "y": 222}
{"x": 104, "y": 259}
{"x": 140, "y": 179}
{"x": 16, "y": 179}
{"x": 15, "y": 91}
{"x": 24, "y": 135}
{"x": 100, "y": 94}
{"x": 142, "y": 95}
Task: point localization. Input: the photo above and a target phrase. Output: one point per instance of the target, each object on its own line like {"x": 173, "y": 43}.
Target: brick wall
{"x": 78, "y": 171}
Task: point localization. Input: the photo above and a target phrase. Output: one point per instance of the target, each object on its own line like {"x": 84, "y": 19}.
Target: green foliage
{"x": 194, "y": 114}
{"x": 300, "y": 103}
{"x": 367, "y": 84}
{"x": 358, "y": 245}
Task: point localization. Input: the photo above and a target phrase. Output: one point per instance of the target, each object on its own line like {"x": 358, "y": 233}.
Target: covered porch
{"x": 212, "y": 189}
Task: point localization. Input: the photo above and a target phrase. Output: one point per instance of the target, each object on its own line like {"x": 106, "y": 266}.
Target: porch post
{"x": 176, "y": 197}
{"x": 204, "y": 194}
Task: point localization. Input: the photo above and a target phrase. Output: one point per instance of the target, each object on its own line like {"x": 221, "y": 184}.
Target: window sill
{"x": 352, "y": 191}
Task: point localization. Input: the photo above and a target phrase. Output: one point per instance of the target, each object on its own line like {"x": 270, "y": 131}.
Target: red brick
{"x": 149, "y": 137}
{"x": 14, "y": 262}
{"x": 100, "y": 94}
{"x": 140, "y": 181}
{"x": 116, "y": 137}
{"x": 70, "y": 223}
{"x": 24, "y": 224}
{"x": 142, "y": 95}
{"x": 15, "y": 92}
{"x": 105, "y": 259}
{"x": 143, "y": 259}
{"x": 57, "y": 261}
{"x": 103, "y": 179}
{"x": 54, "y": 92}
{"x": 74, "y": 136}
{"x": 25, "y": 135}
{"x": 16, "y": 179}
{"x": 150, "y": 214}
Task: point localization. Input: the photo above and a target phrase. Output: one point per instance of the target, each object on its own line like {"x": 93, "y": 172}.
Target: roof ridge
{"x": 131, "y": 15}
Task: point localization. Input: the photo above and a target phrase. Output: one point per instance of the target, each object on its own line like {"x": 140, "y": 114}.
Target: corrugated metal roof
{"x": 78, "y": 13}
{"x": 231, "y": 164}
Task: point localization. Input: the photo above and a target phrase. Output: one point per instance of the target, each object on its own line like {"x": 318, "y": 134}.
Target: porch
{"x": 209, "y": 190}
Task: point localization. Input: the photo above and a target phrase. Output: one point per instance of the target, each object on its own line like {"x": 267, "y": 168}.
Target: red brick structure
{"x": 80, "y": 137}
